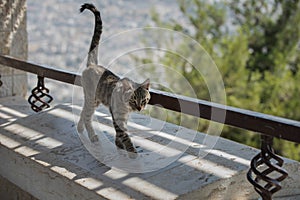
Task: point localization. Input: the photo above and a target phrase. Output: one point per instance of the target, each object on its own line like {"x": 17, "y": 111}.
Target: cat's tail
{"x": 93, "y": 51}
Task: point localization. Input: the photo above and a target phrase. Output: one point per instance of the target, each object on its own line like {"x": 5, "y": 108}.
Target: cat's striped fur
{"x": 101, "y": 86}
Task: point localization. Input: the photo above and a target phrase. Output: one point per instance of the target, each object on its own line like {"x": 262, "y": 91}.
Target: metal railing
{"x": 268, "y": 126}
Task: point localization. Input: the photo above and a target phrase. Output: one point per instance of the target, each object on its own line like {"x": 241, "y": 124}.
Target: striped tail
{"x": 93, "y": 51}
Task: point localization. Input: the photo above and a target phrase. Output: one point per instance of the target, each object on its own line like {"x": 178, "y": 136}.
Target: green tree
{"x": 273, "y": 31}
{"x": 255, "y": 45}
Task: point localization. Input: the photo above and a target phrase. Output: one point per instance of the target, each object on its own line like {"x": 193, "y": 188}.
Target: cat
{"x": 101, "y": 86}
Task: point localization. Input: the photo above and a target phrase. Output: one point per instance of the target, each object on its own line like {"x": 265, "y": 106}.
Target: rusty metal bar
{"x": 41, "y": 70}
{"x": 245, "y": 119}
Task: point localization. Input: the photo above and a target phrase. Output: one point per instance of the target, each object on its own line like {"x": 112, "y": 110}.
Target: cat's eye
{"x": 144, "y": 102}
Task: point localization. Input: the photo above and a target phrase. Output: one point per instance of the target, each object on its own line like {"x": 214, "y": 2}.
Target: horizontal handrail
{"x": 254, "y": 121}
{"x": 41, "y": 70}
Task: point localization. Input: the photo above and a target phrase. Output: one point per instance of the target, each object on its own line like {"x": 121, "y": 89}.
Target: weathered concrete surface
{"x": 13, "y": 42}
{"x": 50, "y": 162}
{"x": 9, "y": 191}
{"x": 14, "y": 108}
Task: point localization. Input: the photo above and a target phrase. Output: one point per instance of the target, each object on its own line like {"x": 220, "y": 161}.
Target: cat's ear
{"x": 146, "y": 84}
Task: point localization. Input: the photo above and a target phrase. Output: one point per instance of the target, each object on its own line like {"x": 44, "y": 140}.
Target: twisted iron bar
{"x": 266, "y": 172}
{"x": 40, "y": 98}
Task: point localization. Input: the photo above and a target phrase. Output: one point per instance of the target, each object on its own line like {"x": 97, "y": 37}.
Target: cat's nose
{"x": 139, "y": 108}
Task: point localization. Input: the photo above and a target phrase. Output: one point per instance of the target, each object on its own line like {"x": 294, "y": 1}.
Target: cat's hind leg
{"x": 80, "y": 125}
{"x": 86, "y": 120}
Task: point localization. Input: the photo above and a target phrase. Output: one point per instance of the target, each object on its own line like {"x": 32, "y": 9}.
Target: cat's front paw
{"x": 131, "y": 151}
{"x": 94, "y": 138}
{"x": 132, "y": 155}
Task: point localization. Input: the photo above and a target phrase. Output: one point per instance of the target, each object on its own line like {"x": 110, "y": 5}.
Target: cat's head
{"x": 140, "y": 96}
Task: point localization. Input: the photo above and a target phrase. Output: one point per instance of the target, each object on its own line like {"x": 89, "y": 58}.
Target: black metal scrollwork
{"x": 266, "y": 170}
{"x": 40, "y": 98}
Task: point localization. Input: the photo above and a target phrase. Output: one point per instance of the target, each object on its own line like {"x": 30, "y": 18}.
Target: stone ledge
{"x": 49, "y": 161}
{"x": 9, "y": 191}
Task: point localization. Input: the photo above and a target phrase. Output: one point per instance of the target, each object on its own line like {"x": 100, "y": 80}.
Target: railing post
{"x": 266, "y": 172}
{"x": 40, "y": 98}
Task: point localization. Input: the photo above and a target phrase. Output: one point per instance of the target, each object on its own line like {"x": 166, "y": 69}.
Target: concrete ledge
{"x": 10, "y": 191}
{"x": 43, "y": 155}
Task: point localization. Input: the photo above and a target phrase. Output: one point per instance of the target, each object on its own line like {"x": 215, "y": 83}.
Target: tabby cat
{"x": 120, "y": 95}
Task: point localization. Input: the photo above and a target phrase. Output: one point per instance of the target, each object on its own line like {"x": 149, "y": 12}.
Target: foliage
{"x": 256, "y": 46}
